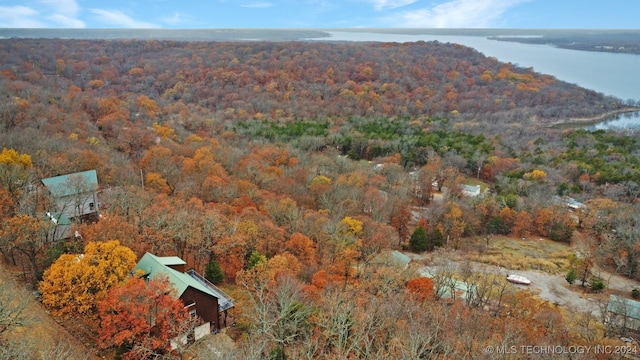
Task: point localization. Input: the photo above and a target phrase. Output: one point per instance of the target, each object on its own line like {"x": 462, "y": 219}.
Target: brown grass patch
{"x": 517, "y": 254}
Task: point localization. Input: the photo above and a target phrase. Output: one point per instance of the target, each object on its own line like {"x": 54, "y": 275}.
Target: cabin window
{"x": 190, "y": 305}
{"x": 92, "y": 206}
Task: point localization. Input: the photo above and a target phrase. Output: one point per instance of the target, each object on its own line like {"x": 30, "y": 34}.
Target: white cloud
{"x": 19, "y": 17}
{"x": 64, "y": 13}
{"x": 65, "y": 21}
{"x": 69, "y": 7}
{"x": 458, "y": 14}
{"x": 119, "y": 19}
{"x": 177, "y": 18}
{"x": 51, "y": 13}
{"x": 257, "y": 5}
{"x": 390, "y": 4}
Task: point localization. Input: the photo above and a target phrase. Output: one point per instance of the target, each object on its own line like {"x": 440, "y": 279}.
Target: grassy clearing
{"x": 517, "y": 254}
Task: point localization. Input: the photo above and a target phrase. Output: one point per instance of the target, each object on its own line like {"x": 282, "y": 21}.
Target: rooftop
{"x": 394, "y": 257}
{"x": 72, "y": 184}
{"x": 153, "y": 265}
{"x": 621, "y": 306}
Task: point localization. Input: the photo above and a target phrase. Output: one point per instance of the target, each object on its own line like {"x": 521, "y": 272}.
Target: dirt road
{"x": 551, "y": 287}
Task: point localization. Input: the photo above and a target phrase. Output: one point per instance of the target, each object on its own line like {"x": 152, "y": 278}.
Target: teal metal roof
{"x": 471, "y": 188}
{"x": 394, "y": 257}
{"x": 629, "y": 308}
{"x": 71, "y": 184}
{"x": 401, "y": 258}
{"x": 153, "y": 265}
{"x": 171, "y": 260}
{"x": 58, "y": 218}
{"x": 459, "y": 286}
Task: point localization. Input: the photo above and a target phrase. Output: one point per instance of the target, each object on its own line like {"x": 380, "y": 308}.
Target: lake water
{"x": 620, "y": 121}
{"x": 609, "y": 73}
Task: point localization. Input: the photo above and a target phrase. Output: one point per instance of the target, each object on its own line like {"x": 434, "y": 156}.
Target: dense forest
{"x": 283, "y": 170}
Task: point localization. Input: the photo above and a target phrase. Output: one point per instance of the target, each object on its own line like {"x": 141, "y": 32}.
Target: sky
{"x": 201, "y": 14}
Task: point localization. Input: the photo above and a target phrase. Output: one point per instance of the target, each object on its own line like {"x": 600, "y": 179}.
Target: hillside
{"x": 41, "y": 337}
{"x": 298, "y": 79}
{"x": 292, "y": 166}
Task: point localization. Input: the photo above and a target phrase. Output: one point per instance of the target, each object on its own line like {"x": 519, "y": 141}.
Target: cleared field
{"x": 517, "y": 254}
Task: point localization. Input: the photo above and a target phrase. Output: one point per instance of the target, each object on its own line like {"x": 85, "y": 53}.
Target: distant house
{"x": 571, "y": 203}
{"x": 198, "y": 295}
{"x": 75, "y": 199}
{"x": 574, "y": 204}
{"x": 623, "y": 313}
{"x": 471, "y": 190}
{"x": 394, "y": 258}
{"x": 446, "y": 287}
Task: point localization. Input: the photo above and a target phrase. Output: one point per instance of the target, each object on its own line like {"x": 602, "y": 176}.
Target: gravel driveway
{"x": 550, "y": 287}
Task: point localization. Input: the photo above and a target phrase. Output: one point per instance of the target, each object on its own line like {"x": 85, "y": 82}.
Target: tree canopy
{"x": 143, "y": 317}
{"x": 77, "y": 283}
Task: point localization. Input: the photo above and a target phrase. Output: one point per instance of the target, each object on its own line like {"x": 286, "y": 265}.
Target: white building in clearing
{"x": 471, "y": 190}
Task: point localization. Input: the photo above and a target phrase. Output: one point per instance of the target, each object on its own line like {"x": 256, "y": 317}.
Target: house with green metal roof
{"x": 72, "y": 184}
{"x": 74, "y": 200}
{"x": 471, "y": 190}
{"x": 624, "y": 313}
{"x": 199, "y": 296}
{"x": 392, "y": 258}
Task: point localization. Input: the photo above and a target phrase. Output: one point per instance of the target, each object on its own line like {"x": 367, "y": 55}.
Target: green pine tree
{"x": 213, "y": 272}
{"x": 572, "y": 276}
{"x": 418, "y": 241}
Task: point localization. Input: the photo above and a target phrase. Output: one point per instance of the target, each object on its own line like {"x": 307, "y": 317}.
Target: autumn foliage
{"x": 77, "y": 283}
{"x": 421, "y": 288}
{"x": 293, "y": 165}
{"x": 143, "y": 317}
{"x": 14, "y": 169}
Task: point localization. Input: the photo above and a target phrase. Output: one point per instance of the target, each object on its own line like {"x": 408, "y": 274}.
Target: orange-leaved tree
{"x": 26, "y": 234}
{"x": 421, "y": 288}
{"x": 76, "y": 283}
{"x": 143, "y": 317}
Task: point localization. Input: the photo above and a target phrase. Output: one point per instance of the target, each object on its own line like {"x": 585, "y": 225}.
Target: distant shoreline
{"x": 593, "y": 119}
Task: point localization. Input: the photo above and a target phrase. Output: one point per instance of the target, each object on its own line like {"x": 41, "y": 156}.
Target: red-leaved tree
{"x": 143, "y": 317}
{"x": 421, "y": 288}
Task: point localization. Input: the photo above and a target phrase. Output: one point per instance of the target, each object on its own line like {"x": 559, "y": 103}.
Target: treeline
{"x": 615, "y": 42}
{"x": 294, "y": 80}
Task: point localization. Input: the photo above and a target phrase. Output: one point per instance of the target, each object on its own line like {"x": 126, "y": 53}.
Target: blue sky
{"x": 188, "y": 14}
